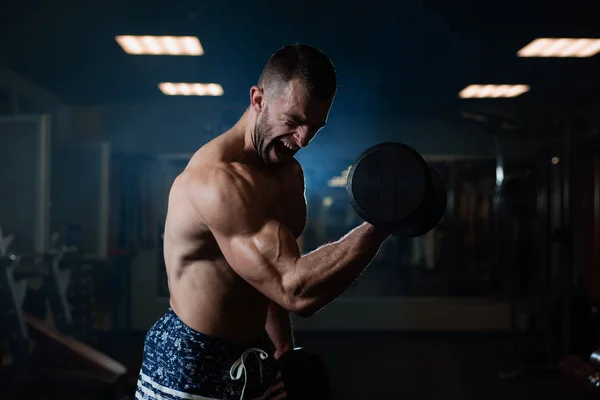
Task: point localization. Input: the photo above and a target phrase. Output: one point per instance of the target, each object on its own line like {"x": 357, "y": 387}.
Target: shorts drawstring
{"x": 235, "y": 372}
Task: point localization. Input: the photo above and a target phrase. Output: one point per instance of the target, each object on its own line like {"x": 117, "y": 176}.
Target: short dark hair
{"x": 306, "y": 63}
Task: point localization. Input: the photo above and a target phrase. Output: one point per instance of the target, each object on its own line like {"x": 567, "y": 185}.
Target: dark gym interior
{"x": 500, "y": 300}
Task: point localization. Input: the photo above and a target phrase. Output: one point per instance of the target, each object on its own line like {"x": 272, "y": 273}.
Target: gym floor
{"x": 414, "y": 366}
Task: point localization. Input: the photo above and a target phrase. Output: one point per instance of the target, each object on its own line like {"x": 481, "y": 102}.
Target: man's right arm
{"x": 265, "y": 253}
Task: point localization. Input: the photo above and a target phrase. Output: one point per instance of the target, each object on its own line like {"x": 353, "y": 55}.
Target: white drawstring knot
{"x": 239, "y": 366}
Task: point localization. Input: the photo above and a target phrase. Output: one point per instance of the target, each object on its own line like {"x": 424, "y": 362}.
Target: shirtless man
{"x": 235, "y": 270}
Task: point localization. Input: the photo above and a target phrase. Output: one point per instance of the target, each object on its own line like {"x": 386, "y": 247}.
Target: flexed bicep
{"x": 258, "y": 248}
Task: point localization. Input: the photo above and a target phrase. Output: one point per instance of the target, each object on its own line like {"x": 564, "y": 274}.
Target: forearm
{"x": 324, "y": 274}
{"x": 279, "y": 329}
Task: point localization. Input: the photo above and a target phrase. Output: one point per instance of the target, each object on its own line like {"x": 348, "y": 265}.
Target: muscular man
{"x": 234, "y": 267}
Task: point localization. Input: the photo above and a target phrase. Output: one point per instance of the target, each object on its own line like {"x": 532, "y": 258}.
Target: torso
{"x": 205, "y": 291}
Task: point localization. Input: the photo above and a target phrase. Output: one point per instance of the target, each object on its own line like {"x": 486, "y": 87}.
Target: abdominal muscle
{"x": 209, "y": 299}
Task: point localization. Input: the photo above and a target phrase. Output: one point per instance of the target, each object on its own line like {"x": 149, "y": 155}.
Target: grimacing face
{"x": 288, "y": 122}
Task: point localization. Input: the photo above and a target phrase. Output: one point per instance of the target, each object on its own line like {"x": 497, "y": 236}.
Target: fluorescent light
{"x": 499, "y": 175}
{"x": 191, "y": 89}
{"x": 339, "y": 181}
{"x": 561, "y": 47}
{"x": 161, "y": 45}
{"x": 492, "y": 91}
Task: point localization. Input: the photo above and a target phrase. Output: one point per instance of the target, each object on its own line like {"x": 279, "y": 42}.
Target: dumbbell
{"x": 305, "y": 375}
{"x": 391, "y": 185}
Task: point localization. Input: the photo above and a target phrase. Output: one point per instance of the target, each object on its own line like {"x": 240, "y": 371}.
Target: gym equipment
{"x": 595, "y": 359}
{"x": 92, "y": 370}
{"x": 61, "y": 365}
{"x": 391, "y": 185}
{"x": 431, "y": 211}
{"x": 305, "y": 375}
{"x": 53, "y": 268}
{"x": 68, "y": 286}
{"x": 580, "y": 373}
{"x": 10, "y": 314}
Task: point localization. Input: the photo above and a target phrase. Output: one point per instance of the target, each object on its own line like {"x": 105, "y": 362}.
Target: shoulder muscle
{"x": 223, "y": 196}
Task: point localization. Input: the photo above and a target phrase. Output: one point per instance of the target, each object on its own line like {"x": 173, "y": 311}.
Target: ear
{"x": 257, "y": 99}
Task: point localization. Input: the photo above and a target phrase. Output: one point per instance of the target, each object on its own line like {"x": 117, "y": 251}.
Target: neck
{"x": 245, "y": 128}
{"x": 244, "y": 131}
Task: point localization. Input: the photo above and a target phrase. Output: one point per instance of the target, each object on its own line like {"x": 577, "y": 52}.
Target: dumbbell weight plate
{"x": 432, "y": 211}
{"x": 388, "y": 183}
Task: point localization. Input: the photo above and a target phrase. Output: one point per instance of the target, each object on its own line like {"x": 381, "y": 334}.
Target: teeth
{"x": 289, "y": 146}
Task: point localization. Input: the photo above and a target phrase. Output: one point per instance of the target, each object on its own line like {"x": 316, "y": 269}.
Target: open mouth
{"x": 284, "y": 149}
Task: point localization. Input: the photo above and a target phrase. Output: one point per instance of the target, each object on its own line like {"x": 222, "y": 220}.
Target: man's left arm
{"x": 279, "y": 329}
